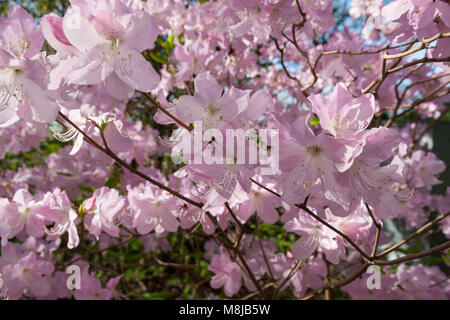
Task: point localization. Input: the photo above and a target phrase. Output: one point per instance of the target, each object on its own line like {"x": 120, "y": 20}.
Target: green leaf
{"x": 158, "y": 58}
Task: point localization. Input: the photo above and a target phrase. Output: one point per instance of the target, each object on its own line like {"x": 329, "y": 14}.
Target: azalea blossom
{"x": 22, "y": 212}
{"x": 315, "y": 235}
{"x": 107, "y": 37}
{"x": 56, "y": 207}
{"x": 102, "y": 212}
{"x": 22, "y": 74}
{"x": 154, "y": 209}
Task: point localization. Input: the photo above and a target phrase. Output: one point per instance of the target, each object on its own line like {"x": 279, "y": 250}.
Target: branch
{"x": 286, "y": 71}
{"x": 122, "y": 163}
{"x": 377, "y": 235}
{"x": 347, "y": 238}
{"x": 419, "y": 255}
{"x": 388, "y": 47}
{"x": 238, "y": 253}
{"x": 337, "y": 284}
{"x": 418, "y": 232}
{"x": 167, "y": 113}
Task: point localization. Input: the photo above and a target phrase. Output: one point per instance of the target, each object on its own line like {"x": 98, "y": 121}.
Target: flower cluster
{"x": 272, "y": 143}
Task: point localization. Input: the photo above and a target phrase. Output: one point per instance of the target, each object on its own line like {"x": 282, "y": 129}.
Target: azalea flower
{"x": 342, "y": 115}
{"x": 57, "y": 208}
{"x": 154, "y": 209}
{"x": 22, "y": 212}
{"x": 30, "y": 275}
{"x": 91, "y": 288}
{"x": 315, "y": 235}
{"x": 103, "y": 210}
{"x": 22, "y": 74}
{"x": 307, "y": 158}
{"x": 108, "y": 37}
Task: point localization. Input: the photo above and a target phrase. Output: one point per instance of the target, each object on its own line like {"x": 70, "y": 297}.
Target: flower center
{"x": 212, "y": 110}
{"x": 18, "y": 46}
{"x": 115, "y": 43}
{"x": 315, "y": 151}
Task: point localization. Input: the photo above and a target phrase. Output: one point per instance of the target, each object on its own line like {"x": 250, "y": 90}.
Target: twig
{"x": 419, "y": 231}
{"x": 377, "y": 235}
{"x": 167, "y": 113}
{"x": 122, "y": 163}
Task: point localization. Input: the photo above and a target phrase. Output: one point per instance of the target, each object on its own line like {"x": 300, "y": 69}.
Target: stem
{"x": 418, "y": 232}
{"x": 377, "y": 235}
{"x": 347, "y": 238}
{"x": 122, "y": 163}
{"x": 167, "y": 113}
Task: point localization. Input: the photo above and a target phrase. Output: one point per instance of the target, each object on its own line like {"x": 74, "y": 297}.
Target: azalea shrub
{"x": 251, "y": 149}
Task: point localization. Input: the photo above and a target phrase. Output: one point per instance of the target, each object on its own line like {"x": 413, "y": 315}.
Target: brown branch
{"x": 167, "y": 113}
{"x": 283, "y": 65}
{"x": 305, "y": 56}
{"x": 383, "y": 75}
{"x": 289, "y": 276}
{"x": 372, "y": 259}
{"x": 236, "y": 250}
{"x": 429, "y": 97}
{"x": 388, "y": 47}
{"x": 377, "y": 235}
{"x": 412, "y": 63}
{"x": 418, "y": 232}
{"x": 122, "y": 163}
{"x": 266, "y": 261}
{"x": 265, "y": 188}
{"x": 344, "y": 236}
{"x": 429, "y": 127}
{"x": 419, "y": 255}
{"x": 337, "y": 284}
{"x": 241, "y": 226}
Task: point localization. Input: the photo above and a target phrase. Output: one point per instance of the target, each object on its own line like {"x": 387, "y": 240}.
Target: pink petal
{"x": 139, "y": 73}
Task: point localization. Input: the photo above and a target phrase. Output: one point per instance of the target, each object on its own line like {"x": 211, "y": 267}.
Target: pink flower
{"x": 117, "y": 141}
{"x": 22, "y": 212}
{"x": 10, "y": 223}
{"x": 251, "y": 17}
{"x": 20, "y": 36}
{"x": 262, "y": 202}
{"x": 213, "y": 112}
{"x": 21, "y": 94}
{"x": 108, "y": 36}
{"x": 306, "y": 158}
{"x": 356, "y": 225}
{"x": 208, "y": 104}
{"x": 394, "y": 10}
{"x": 227, "y": 274}
{"x": 22, "y": 74}
{"x": 426, "y": 11}
{"x": 57, "y": 208}
{"x": 379, "y": 185}
{"x": 160, "y": 117}
{"x": 424, "y": 168}
{"x": 314, "y": 235}
{"x": 52, "y": 28}
{"x": 103, "y": 211}
{"x": 193, "y": 58}
{"x": 423, "y": 17}
{"x": 29, "y": 275}
{"x": 342, "y": 115}
{"x": 154, "y": 209}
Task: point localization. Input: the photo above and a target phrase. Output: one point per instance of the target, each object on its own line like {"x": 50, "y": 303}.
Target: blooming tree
{"x": 255, "y": 149}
